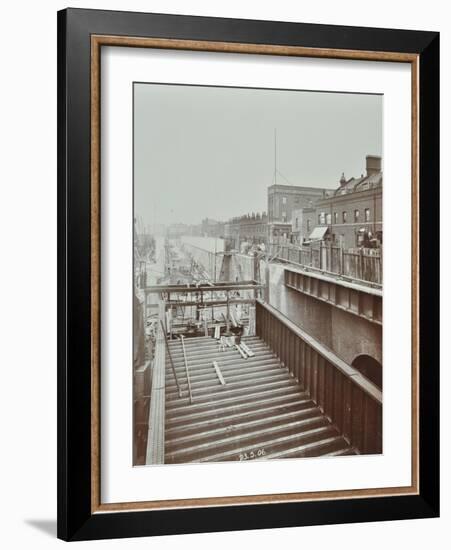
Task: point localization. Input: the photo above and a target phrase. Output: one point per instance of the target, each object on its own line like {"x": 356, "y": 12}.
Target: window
{"x": 297, "y": 223}
{"x": 335, "y": 217}
{"x": 356, "y": 216}
{"x": 284, "y": 200}
{"x": 328, "y": 219}
{"x": 321, "y": 218}
{"x": 367, "y": 214}
{"x": 308, "y": 226}
{"x": 284, "y": 216}
{"x": 345, "y": 217}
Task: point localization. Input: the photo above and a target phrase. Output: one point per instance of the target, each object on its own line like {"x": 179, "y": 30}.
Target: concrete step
{"x": 248, "y": 381}
{"x": 260, "y": 412}
{"x": 178, "y": 410}
{"x": 205, "y": 341}
{"x": 198, "y": 355}
{"x": 252, "y": 408}
{"x": 313, "y": 448}
{"x": 175, "y": 346}
{"x": 238, "y": 427}
{"x": 335, "y": 445}
{"x": 230, "y": 444}
{"x": 228, "y": 371}
{"x": 229, "y": 417}
{"x": 228, "y": 391}
{"x": 267, "y": 445}
{"x": 223, "y": 359}
{"x": 197, "y": 339}
{"x": 229, "y": 378}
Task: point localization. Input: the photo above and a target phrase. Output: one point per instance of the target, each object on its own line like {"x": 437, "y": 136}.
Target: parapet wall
{"x": 344, "y": 333}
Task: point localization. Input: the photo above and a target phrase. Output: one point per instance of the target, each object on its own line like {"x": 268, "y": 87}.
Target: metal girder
{"x": 207, "y": 303}
{"x": 356, "y": 300}
{"x": 217, "y": 287}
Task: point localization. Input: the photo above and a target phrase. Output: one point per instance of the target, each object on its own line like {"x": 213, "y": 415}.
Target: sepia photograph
{"x": 257, "y": 274}
{"x": 239, "y": 345}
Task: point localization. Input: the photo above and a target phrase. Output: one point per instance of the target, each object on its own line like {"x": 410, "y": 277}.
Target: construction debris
{"x": 247, "y": 350}
{"x": 219, "y": 373}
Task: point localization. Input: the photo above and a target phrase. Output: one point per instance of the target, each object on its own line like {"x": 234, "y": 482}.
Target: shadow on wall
{"x": 370, "y": 368}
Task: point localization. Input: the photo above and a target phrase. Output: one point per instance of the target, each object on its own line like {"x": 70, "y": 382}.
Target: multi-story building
{"x": 176, "y": 230}
{"x": 352, "y": 215}
{"x": 284, "y": 199}
{"x": 212, "y": 228}
{"x": 302, "y": 223}
{"x": 279, "y": 232}
{"x": 252, "y": 228}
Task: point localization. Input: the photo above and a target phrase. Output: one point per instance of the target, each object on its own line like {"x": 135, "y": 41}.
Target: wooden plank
{"x": 219, "y": 373}
{"x": 247, "y": 350}
{"x": 232, "y": 318}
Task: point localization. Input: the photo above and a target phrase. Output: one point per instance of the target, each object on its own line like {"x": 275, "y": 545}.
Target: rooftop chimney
{"x": 373, "y": 165}
{"x": 343, "y": 179}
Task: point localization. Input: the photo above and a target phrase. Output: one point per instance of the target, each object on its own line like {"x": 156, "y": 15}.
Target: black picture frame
{"x": 76, "y": 521}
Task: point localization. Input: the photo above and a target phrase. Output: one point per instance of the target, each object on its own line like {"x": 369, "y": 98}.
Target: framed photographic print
{"x": 248, "y": 274}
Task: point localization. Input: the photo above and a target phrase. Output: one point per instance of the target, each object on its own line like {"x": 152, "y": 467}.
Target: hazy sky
{"x": 209, "y": 151}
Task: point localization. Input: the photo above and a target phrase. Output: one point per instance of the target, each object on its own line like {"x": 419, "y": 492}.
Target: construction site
{"x": 250, "y": 356}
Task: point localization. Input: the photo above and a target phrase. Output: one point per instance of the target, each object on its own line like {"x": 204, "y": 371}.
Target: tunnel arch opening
{"x": 370, "y": 368}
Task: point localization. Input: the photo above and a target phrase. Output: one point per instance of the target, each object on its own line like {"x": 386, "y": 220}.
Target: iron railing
{"x": 170, "y": 358}
{"x": 358, "y": 264}
{"x": 182, "y": 339}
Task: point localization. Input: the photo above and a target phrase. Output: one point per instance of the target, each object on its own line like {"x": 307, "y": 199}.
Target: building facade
{"x": 284, "y": 199}
{"x": 252, "y": 228}
{"x": 302, "y": 224}
{"x": 350, "y": 217}
{"x": 279, "y": 232}
{"x": 212, "y": 228}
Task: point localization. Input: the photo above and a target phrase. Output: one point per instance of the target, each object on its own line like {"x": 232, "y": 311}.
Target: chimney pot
{"x": 342, "y": 179}
{"x": 373, "y": 165}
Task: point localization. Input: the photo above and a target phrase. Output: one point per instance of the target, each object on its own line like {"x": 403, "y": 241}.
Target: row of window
{"x": 326, "y": 218}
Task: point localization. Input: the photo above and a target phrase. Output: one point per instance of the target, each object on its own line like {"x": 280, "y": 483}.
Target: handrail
{"x": 186, "y": 369}
{"x": 170, "y": 358}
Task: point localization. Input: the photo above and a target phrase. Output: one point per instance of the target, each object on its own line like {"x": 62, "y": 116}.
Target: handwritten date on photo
{"x": 251, "y": 455}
